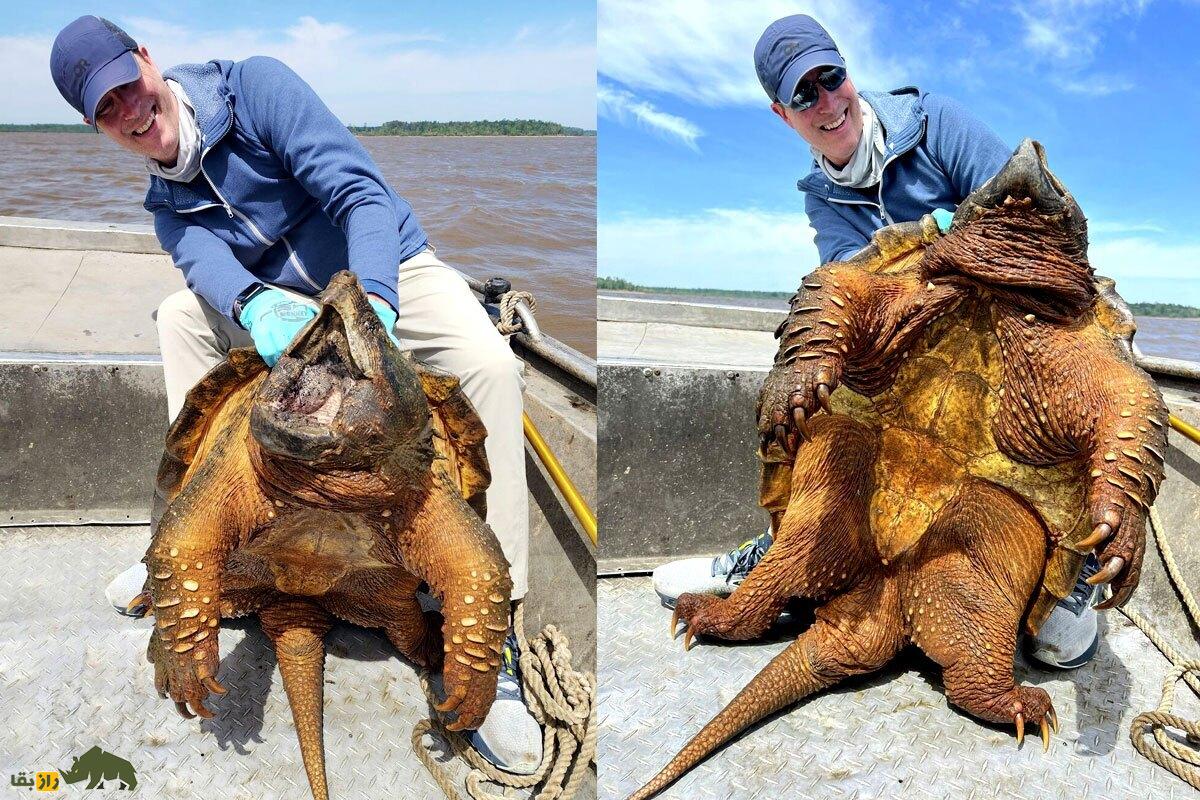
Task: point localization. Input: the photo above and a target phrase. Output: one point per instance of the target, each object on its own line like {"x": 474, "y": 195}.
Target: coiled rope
{"x": 560, "y": 698}
{"x": 1182, "y": 759}
{"x": 508, "y": 322}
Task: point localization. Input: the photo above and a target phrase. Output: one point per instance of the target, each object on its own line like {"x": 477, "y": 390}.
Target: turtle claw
{"x": 801, "y": 423}
{"x": 182, "y": 708}
{"x": 1111, "y": 569}
{"x": 823, "y": 397}
{"x": 452, "y": 701}
{"x": 674, "y": 623}
{"x": 1050, "y": 712}
{"x": 687, "y": 639}
{"x": 213, "y": 686}
{"x": 1020, "y": 720}
{"x": 1099, "y": 534}
{"x": 1045, "y": 730}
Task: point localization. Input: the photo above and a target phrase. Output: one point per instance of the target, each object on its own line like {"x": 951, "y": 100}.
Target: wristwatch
{"x": 248, "y": 294}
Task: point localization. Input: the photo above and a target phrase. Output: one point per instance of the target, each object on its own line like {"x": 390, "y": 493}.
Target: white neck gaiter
{"x": 187, "y": 165}
{"x": 865, "y": 167}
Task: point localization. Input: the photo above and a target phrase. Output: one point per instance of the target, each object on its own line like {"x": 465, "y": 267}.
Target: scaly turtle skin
{"x": 332, "y": 486}
{"x": 984, "y": 427}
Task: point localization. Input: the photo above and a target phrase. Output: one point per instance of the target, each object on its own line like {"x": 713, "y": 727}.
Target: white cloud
{"x": 1138, "y": 257}
{"x": 619, "y": 105}
{"x": 364, "y": 76}
{"x": 1068, "y": 30}
{"x": 1112, "y": 227}
{"x": 719, "y": 248}
{"x": 1094, "y": 85}
{"x": 703, "y": 51}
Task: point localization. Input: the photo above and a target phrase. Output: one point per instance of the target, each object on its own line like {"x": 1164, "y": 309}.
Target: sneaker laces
{"x": 1084, "y": 594}
{"x": 508, "y": 681}
{"x": 737, "y": 563}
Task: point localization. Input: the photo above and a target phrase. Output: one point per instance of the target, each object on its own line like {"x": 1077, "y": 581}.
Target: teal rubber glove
{"x": 273, "y": 320}
{"x": 387, "y": 315}
{"x": 943, "y": 219}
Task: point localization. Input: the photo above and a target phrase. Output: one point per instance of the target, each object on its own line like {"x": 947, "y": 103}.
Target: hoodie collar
{"x": 209, "y": 93}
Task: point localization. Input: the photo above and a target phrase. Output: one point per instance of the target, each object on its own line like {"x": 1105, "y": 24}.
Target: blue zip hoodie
{"x": 286, "y": 194}
{"x": 935, "y": 154}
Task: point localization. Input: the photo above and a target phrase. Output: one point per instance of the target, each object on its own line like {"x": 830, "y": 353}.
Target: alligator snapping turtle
{"x": 985, "y": 428}
{"x": 332, "y": 486}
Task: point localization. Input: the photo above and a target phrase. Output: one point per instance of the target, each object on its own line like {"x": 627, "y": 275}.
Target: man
{"x": 879, "y": 158}
{"x": 260, "y": 195}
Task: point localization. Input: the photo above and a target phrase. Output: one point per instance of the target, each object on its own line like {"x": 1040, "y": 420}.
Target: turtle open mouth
{"x": 337, "y": 393}
{"x": 327, "y": 375}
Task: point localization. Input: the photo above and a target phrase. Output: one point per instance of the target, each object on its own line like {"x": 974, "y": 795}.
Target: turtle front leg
{"x": 1111, "y": 417}
{"x": 448, "y": 546}
{"x": 846, "y": 325}
{"x": 184, "y": 565}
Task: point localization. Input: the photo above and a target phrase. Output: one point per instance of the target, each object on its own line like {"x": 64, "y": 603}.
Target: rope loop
{"x": 560, "y": 698}
{"x": 509, "y": 323}
{"x": 1181, "y": 758}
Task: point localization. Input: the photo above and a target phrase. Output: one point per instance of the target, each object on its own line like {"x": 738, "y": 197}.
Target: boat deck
{"x": 679, "y": 478}
{"x": 73, "y": 674}
{"x": 82, "y": 416}
{"x": 891, "y": 734}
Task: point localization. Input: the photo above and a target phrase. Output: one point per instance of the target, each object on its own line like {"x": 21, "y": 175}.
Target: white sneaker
{"x": 126, "y": 586}
{"x": 1070, "y": 637}
{"x": 718, "y": 576}
{"x": 510, "y": 737}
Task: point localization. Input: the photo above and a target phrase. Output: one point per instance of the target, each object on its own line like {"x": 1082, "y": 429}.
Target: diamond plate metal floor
{"x": 891, "y": 735}
{"x": 73, "y": 674}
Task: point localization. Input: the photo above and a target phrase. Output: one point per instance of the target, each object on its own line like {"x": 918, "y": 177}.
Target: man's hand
{"x": 387, "y": 315}
{"x": 943, "y": 218}
{"x": 273, "y": 320}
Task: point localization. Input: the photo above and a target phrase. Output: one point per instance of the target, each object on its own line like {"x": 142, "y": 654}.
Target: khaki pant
{"x": 443, "y": 325}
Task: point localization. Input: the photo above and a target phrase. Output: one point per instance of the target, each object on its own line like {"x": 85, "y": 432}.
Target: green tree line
{"x": 486, "y": 127}
{"x": 499, "y": 127}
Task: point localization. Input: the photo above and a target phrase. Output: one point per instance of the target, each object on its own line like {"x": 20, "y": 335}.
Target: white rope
{"x": 560, "y": 698}
{"x": 509, "y": 322}
{"x": 1180, "y": 758}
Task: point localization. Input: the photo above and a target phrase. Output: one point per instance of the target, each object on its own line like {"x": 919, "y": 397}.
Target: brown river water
{"x": 520, "y": 207}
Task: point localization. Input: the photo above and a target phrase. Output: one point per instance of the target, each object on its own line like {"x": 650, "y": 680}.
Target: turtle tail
{"x": 297, "y": 630}
{"x": 787, "y": 679}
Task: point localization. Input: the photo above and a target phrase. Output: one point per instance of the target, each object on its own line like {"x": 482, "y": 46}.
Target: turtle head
{"x": 342, "y": 395}
{"x": 1023, "y": 235}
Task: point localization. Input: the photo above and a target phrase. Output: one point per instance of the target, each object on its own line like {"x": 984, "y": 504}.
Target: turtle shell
{"x": 934, "y": 421}
{"x": 228, "y": 390}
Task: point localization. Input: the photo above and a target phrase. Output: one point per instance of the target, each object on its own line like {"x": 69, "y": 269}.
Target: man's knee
{"x": 178, "y": 311}
{"x": 495, "y": 367}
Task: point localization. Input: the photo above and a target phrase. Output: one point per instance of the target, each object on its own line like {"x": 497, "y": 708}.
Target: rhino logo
{"x": 97, "y": 767}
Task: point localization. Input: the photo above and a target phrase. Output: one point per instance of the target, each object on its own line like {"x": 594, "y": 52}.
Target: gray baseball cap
{"x": 789, "y": 48}
{"x": 90, "y": 57}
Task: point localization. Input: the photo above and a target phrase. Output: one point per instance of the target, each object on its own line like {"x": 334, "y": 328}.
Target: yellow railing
{"x": 571, "y": 494}
{"x": 1186, "y": 429}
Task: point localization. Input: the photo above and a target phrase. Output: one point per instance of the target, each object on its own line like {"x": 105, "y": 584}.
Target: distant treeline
{"x": 45, "y": 127}
{"x": 1163, "y": 310}
{"x": 620, "y": 284}
{"x": 499, "y": 127}
{"x": 487, "y": 127}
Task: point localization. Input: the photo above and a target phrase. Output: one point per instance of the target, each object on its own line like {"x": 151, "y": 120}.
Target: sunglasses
{"x": 806, "y": 95}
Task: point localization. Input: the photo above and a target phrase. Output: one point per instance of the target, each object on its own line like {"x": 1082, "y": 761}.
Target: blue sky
{"x": 370, "y": 61}
{"x": 697, "y": 177}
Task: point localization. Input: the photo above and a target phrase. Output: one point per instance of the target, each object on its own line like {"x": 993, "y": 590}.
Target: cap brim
{"x": 122, "y": 69}
{"x": 798, "y": 68}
